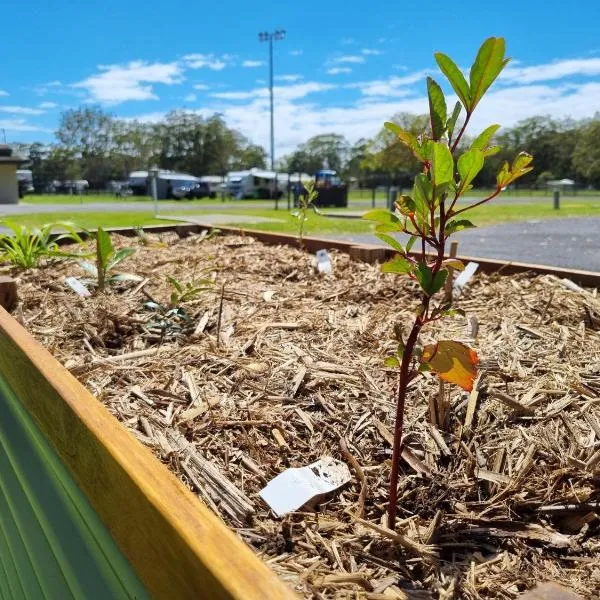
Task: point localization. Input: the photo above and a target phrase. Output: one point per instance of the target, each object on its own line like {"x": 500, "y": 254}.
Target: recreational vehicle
{"x": 254, "y": 183}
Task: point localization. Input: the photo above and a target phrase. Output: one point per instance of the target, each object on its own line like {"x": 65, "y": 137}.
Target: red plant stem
{"x": 477, "y": 203}
{"x": 398, "y": 428}
{"x": 462, "y": 131}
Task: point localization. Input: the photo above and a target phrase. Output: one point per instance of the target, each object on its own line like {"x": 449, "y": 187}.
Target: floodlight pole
{"x": 267, "y": 36}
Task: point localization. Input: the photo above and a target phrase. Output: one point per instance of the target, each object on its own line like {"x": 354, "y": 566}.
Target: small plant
{"x": 431, "y": 215}
{"x": 186, "y": 292}
{"x": 25, "y": 247}
{"x": 107, "y": 258}
{"x": 306, "y": 201}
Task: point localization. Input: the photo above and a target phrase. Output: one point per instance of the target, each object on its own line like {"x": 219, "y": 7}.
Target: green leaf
{"x": 520, "y": 166}
{"x": 482, "y": 141}
{"x": 469, "y": 165}
{"x": 390, "y": 241}
{"x": 384, "y": 217}
{"x": 437, "y": 109}
{"x": 119, "y": 256}
{"x": 491, "y": 150}
{"x": 438, "y": 281}
{"x": 459, "y": 225}
{"x": 424, "y": 277}
{"x": 455, "y": 77}
{"x": 423, "y": 197}
{"x": 453, "y": 118}
{"x": 175, "y": 283}
{"x": 392, "y": 361}
{"x": 398, "y": 264}
{"x": 443, "y": 164}
{"x": 411, "y": 243}
{"x": 453, "y": 263}
{"x": 406, "y": 205}
{"x": 105, "y": 247}
{"x": 487, "y": 66}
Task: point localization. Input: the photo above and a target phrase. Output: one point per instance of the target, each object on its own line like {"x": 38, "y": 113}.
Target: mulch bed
{"x": 278, "y": 366}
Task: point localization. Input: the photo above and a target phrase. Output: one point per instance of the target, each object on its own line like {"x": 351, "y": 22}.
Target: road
{"x": 573, "y": 243}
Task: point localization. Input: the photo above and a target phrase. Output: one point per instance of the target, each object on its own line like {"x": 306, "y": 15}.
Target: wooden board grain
{"x": 178, "y": 548}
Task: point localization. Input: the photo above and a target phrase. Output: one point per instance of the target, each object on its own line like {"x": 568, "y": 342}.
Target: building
{"x": 9, "y": 186}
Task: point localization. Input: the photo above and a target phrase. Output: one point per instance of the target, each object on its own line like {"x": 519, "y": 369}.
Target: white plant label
{"x": 464, "y": 277}
{"x": 295, "y": 487}
{"x": 77, "y": 286}
{"x": 323, "y": 262}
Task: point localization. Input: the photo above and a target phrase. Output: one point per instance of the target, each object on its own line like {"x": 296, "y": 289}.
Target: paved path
{"x": 219, "y": 219}
{"x": 573, "y": 243}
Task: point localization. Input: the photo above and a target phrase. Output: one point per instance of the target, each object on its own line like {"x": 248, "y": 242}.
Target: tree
{"x": 387, "y": 155}
{"x": 586, "y": 155}
{"x": 329, "y": 150}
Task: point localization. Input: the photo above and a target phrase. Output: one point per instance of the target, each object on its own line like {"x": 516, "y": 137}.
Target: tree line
{"x": 96, "y": 146}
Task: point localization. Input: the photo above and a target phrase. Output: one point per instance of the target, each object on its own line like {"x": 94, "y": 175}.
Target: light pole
{"x": 265, "y": 36}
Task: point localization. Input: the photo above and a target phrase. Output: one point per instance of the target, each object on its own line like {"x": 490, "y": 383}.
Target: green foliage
{"x": 25, "y": 247}
{"x": 188, "y": 291}
{"x": 427, "y": 216}
{"x": 107, "y": 258}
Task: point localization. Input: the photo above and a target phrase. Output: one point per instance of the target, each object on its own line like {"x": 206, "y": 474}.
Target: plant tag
{"x": 464, "y": 277}
{"x": 296, "y": 486}
{"x": 323, "y": 262}
{"x": 77, "y": 286}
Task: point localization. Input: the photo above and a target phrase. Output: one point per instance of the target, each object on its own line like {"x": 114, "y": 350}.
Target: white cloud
{"x": 283, "y": 92}
{"x": 209, "y": 61}
{"x": 48, "y": 105}
{"x": 583, "y": 67}
{"x": 393, "y": 86}
{"x": 296, "y": 52}
{"x": 371, "y": 52}
{"x": 253, "y": 63}
{"x": 20, "y": 125}
{"x": 338, "y": 70}
{"x": 352, "y": 59}
{"x": 120, "y": 83}
{"x": 3, "y": 93}
{"x": 21, "y": 110}
{"x": 200, "y": 86}
{"x": 190, "y": 98}
{"x": 296, "y": 120}
{"x": 290, "y": 78}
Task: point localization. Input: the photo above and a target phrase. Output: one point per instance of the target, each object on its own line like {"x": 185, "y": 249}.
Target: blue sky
{"x": 343, "y": 67}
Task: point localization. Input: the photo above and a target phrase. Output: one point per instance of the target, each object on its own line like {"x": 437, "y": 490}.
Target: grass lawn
{"x": 316, "y": 225}
{"x": 112, "y": 199}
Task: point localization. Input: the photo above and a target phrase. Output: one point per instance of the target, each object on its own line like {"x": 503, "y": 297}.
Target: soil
{"x": 276, "y": 365}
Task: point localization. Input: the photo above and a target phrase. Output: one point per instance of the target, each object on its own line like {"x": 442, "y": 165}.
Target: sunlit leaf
{"x": 422, "y": 194}
{"x": 482, "y": 141}
{"x": 105, "y": 247}
{"x": 387, "y": 220}
{"x": 458, "y": 225}
{"x": 437, "y": 109}
{"x": 453, "y": 362}
{"x": 521, "y": 166}
{"x": 411, "y": 243}
{"x": 469, "y": 165}
{"x": 406, "y": 205}
{"x": 443, "y": 164}
{"x": 455, "y": 77}
{"x": 454, "y": 263}
{"x": 406, "y": 137}
{"x": 453, "y": 118}
{"x": 487, "y": 66}
{"x": 398, "y": 264}
{"x": 392, "y": 361}
{"x": 390, "y": 241}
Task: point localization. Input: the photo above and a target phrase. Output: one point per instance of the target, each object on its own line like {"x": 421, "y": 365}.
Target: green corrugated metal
{"x": 52, "y": 543}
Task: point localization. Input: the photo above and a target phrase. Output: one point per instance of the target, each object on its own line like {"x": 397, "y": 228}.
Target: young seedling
{"x": 306, "y": 203}
{"x": 107, "y": 258}
{"x": 25, "y": 247}
{"x": 186, "y": 292}
{"x": 430, "y": 215}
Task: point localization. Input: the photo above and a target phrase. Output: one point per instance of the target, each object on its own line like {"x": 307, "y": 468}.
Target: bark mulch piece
{"x": 277, "y": 366}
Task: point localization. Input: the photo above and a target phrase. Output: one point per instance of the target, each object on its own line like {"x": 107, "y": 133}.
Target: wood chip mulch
{"x": 277, "y": 366}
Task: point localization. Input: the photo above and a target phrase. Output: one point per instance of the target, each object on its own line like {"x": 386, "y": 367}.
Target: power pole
{"x": 266, "y": 36}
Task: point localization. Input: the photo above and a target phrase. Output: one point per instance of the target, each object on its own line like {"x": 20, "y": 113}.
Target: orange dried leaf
{"x": 453, "y": 362}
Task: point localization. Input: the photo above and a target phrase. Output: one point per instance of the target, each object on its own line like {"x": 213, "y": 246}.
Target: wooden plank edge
{"x": 178, "y": 547}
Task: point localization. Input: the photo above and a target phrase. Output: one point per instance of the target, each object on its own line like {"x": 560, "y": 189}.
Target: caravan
{"x": 254, "y": 183}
